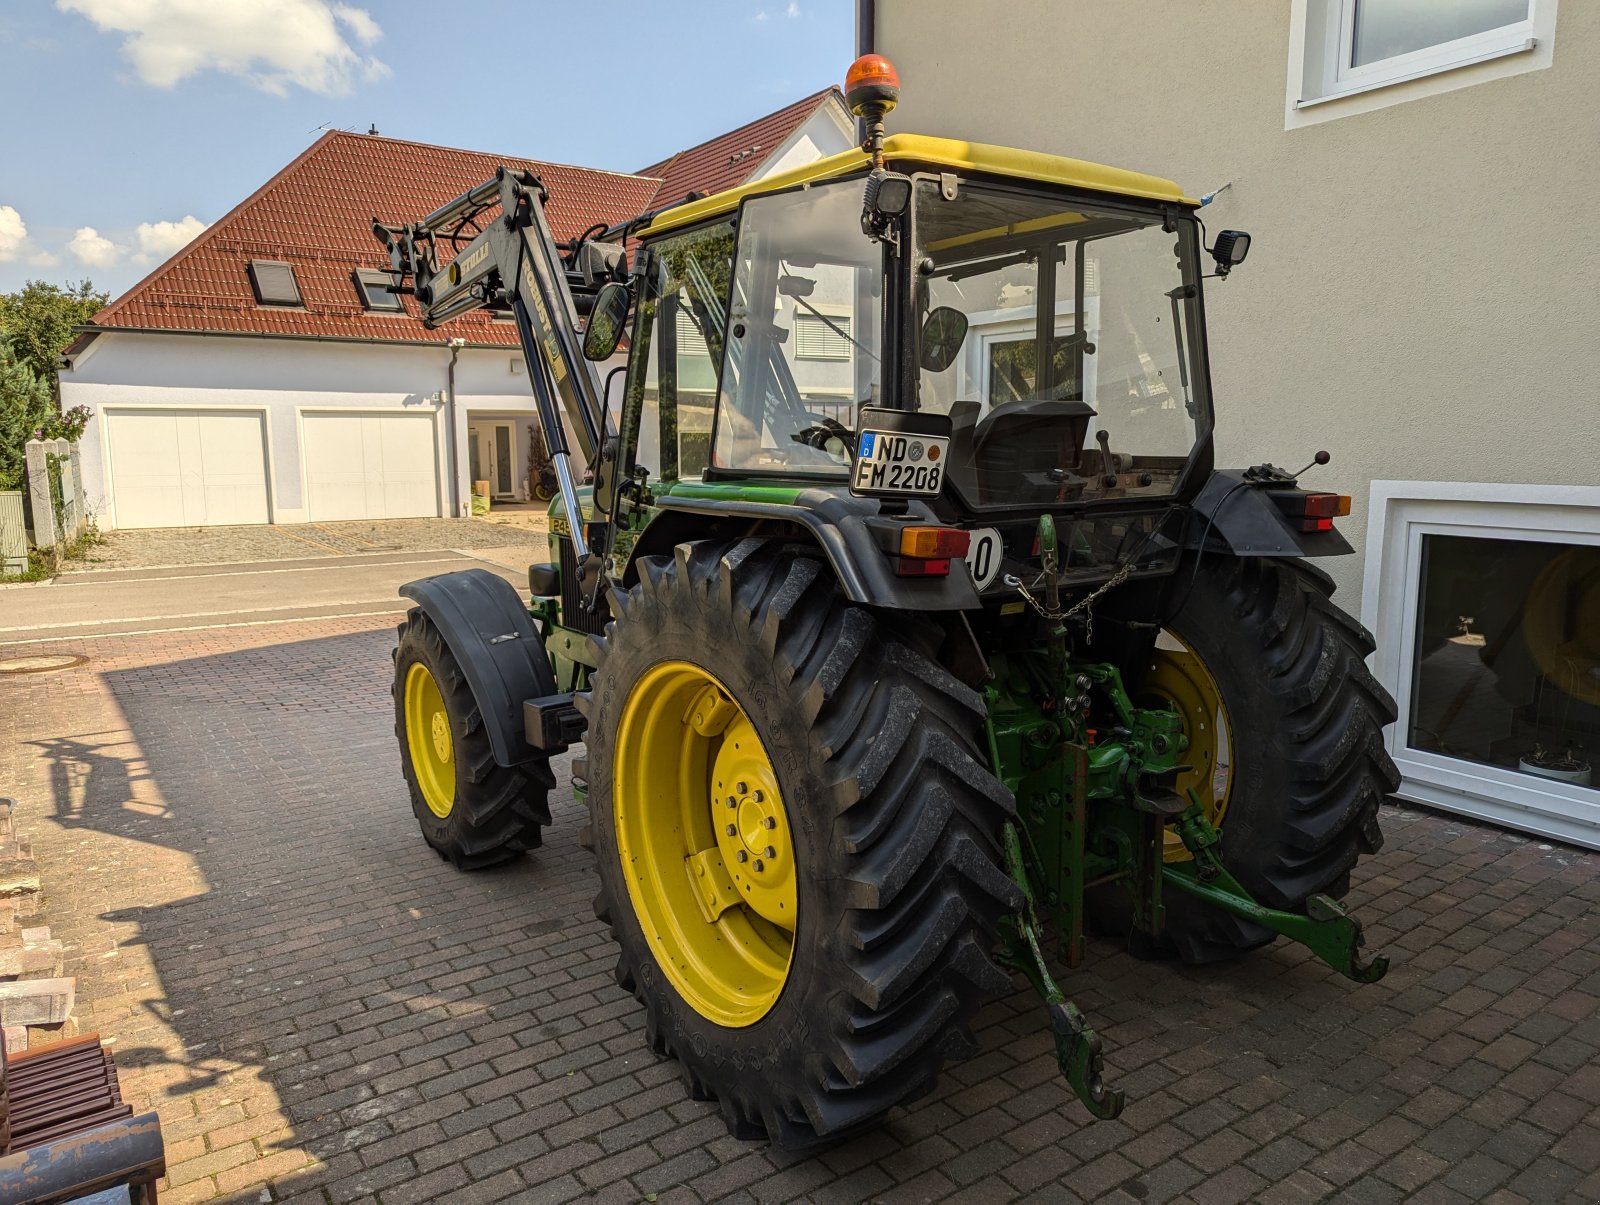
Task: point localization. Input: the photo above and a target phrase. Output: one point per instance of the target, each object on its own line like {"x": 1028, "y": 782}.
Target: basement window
{"x": 274, "y": 283}
{"x": 372, "y": 285}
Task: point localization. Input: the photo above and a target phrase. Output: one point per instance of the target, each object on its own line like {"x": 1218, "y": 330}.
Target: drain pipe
{"x": 455, "y": 345}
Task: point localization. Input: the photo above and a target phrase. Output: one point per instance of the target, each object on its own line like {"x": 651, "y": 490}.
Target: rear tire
{"x": 1305, "y": 720}
{"x": 472, "y": 810}
{"x": 892, "y": 819}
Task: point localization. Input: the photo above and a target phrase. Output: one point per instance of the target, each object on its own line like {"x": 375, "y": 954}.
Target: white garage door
{"x": 371, "y": 466}
{"x": 187, "y": 468}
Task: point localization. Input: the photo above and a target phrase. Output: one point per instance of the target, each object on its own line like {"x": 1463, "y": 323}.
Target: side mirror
{"x": 607, "y": 318}
{"x": 1229, "y": 250}
{"x": 943, "y": 332}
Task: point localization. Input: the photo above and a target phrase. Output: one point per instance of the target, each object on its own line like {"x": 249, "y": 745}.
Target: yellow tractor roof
{"x": 946, "y": 153}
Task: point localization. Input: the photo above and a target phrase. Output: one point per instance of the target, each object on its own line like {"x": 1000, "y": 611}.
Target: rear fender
{"x": 1230, "y": 515}
{"x": 487, "y": 627}
{"x": 834, "y": 522}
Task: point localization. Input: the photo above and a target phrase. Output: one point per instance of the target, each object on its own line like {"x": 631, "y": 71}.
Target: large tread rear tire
{"x": 498, "y": 812}
{"x": 1306, "y": 722}
{"x": 896, "y": 825}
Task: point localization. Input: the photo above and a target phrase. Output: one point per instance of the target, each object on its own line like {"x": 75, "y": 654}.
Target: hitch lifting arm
{"x": 1326, "y": 927}
{"x": 1078, "y": 1052}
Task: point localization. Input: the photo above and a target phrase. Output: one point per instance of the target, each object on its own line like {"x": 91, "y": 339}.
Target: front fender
{"x": 487, "y": 627}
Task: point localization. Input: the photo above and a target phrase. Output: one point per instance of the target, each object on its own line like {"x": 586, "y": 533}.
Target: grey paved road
{"x": 128, "y": 601}
{"x": 325, "y": 1012}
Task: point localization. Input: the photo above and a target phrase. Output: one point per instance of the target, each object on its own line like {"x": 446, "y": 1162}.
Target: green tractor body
{"x": 905, "y": 621}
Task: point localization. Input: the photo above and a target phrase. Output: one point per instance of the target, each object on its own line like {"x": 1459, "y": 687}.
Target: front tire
{"x": 852, "y": 1001}
{"x": 471, "y": 809}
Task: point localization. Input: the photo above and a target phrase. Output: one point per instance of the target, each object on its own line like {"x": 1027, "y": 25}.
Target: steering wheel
{"x": 827, "y": 435}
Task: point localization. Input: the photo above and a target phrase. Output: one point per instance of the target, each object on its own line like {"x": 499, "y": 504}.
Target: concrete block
{"x": 35, "y": 935}
{"x": 19, "y": 876}
{"x": 38, "y": 1035}
{"x": 39, "y": 959}
{"x": 37, "y": 1001}
{"x": 16, "y": 1038}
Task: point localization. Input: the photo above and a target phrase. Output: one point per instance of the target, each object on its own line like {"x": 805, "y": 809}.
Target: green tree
{"x": 40, "y": 318}
{"x": 25, "y": 403}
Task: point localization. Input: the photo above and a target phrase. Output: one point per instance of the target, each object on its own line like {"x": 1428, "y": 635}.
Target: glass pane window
{"x": 806, "y": 279}
{"x": 1384, "y": 29}
{"x": 373, "y": 288}
{"x": 1507, "y": 664}
{"x": 679, "y": 332}
{"x": 822, "y": 336}
{"x": 1080, "y": 322}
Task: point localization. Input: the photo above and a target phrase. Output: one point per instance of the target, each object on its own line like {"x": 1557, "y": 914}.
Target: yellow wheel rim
{"x": 1180, "y": 681}
{"x": 429, "y": 741}
{"x": 705, "y": 843}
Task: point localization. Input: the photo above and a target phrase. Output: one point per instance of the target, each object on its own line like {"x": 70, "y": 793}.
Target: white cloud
{"x": 92, "y": 249}
{"x": 44, "y": 259}
{"x": 161, "y": 240}
{"x": 792, "y": 11}
{"x": 13, "y": 234}
{"x": 273, "y": 44}
{"x": 761, "y": 15}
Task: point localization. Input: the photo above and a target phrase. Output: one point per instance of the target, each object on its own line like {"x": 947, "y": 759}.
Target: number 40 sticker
{"x": 983, "y": 557}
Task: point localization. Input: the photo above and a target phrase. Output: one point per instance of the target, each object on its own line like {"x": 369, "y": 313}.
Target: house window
{"x": 372, "y": 286}
{"x": 817, "y": 338}
{"x": 1351, "y": 48}
{"x": 1485, "y": 602}
{"x": 274, "y": 283}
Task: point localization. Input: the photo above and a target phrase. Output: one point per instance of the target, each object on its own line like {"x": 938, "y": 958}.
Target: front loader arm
{"x": 515, "y": 261}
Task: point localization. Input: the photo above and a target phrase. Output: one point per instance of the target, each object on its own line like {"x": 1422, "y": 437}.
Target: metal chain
{"x": 1086, "y": 602}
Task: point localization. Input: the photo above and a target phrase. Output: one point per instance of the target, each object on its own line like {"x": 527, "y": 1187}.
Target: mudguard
{"x": 837, "y": 523}
{"x": 487, "y": 627}
{"x": 1231, "y": 514}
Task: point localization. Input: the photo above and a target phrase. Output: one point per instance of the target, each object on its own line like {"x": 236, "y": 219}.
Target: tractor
{"x": 899, "y": 609}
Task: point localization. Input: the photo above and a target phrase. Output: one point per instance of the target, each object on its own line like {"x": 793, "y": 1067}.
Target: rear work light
{"x": 1313, "y": 512}
{"x": 928, "y": 551}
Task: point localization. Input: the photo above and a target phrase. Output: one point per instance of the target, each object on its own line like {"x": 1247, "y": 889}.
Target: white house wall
{"x": 284, "y": 378}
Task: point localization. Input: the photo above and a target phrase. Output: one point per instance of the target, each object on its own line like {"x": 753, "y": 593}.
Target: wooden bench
{"x": 65, "y": 1131}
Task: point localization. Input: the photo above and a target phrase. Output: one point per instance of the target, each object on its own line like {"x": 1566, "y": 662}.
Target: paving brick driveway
{"x": 324, "y": 1011}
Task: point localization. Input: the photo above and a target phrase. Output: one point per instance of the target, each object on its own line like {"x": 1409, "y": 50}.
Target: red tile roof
{"x": 317, "y": 214}
{"x": 729, "y": 160}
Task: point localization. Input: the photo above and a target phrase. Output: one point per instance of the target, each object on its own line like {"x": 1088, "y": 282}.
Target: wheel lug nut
{"x": 740, "y": 856}
{"x": 771, "y": 822}
{"x": 732, "y": 830}
{"x": 759, "y": 866}
{"x": 758, "y": 797}
{"x": 732, "y": 802}
{"x": 772, "y": 851}
{"x": 741, "y": 788}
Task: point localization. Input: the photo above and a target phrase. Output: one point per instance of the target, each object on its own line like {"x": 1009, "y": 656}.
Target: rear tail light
{"x": 928, "y": 551}
{"x": 1313, "y": 512}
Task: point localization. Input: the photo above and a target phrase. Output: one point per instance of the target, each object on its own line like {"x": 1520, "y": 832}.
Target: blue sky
{"x": 130, "y": 124}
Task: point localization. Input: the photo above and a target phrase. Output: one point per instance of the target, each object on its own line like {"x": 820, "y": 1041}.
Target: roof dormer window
{"x": 274, "y": 283}
{"x": 372, "y": 285}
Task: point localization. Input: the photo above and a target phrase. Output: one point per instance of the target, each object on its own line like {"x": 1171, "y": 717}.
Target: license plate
{"x": 893, "y": 462}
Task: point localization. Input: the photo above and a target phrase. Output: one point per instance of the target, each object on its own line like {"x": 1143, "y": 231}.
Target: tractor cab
{"x": 1042, "y": 316}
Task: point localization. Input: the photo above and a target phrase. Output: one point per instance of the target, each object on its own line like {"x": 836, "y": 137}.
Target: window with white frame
{"x": 819, "y": 337}
{"x": 1485, "y": 601}
{"x": 1352, "y": 47}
